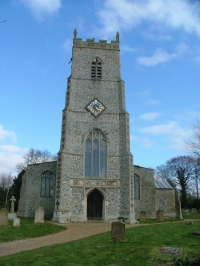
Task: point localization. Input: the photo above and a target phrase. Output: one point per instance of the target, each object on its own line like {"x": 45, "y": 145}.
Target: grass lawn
{"x": 28, "y": 229}
{"x": 191, "y": 215}
{"x": 141, "y": 248}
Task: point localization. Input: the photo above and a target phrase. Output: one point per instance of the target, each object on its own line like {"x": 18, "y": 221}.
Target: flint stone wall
{"x": 165, "y": 201}
{"x": 30, "y": 198}
{"x": 147, "y": 201}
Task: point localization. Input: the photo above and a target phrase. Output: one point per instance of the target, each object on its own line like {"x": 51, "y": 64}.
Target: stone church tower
{"x": 94, "y": 177}
{"x": 95, "y": 166}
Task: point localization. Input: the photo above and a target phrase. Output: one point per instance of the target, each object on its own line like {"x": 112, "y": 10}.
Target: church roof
{"x": 164, "y": 184}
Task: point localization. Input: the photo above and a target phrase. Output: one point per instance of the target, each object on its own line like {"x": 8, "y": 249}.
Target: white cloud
{"x": 176, "y": 14}
{"x": 150, "y": 116}
{"x": 10, "y": 156}
{"x": 4, "y": 134}
{"x": 154, "y": 36}
{"x": 160, "y": 129}
{"x": 125, "y": 48}
{"x": 159, "y": 56}
{"x": 146, "y": 143}
{"x": 39, "y": 7}
{"x": 175, "y": 133}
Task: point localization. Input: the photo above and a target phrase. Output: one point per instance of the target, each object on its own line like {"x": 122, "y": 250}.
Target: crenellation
{"x": 101, "y": 44}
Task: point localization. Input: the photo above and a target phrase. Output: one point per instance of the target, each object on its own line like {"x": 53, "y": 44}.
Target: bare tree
{"x": 35, "y": 156}
{"x": 181, "y": 170}
{"x": 6, "y": 181}
{"x": 194, "y": 145}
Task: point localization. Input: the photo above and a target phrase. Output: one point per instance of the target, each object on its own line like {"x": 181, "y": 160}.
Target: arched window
{"x": 136, "y": 186}
{"x": 47, "y": 184}
{"x": 96, "y": 69}
{"x": 95, "y": 154}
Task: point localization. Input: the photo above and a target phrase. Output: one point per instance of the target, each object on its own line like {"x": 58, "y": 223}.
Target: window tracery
{"x": 47, "y": 184}
{"x": 96, "y": 69}
{"x": 95, "y": 154}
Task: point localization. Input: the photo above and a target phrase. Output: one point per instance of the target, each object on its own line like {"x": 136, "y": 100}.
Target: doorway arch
{"x": 94, "y": 205}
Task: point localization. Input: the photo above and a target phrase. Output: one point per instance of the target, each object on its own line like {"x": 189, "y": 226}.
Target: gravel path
{"x": 74, "y": 231}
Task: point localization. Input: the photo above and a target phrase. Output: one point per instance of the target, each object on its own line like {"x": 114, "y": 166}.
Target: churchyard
{"x": 153, "y": 244}
{"x": 28, "y": 229}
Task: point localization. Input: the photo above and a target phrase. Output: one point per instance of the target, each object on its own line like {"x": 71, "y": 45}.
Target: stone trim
{"x": 93, "y": 182}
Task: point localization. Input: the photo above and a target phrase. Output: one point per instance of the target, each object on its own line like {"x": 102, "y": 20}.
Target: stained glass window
{"x": 47, "y": 184}
{"x": 95, "y": 155}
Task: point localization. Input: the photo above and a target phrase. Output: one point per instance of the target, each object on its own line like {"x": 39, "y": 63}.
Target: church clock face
{"x": 95, "y": 107}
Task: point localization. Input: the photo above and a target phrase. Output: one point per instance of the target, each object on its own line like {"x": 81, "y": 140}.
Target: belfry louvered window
{"x": 136, "y": 186}
{"x": 96, "y": 69}
{"x": 47, "y": 184}
{"x": 95, "y": 154}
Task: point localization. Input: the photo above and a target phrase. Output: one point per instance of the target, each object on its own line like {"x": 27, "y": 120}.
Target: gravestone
{"x": 142, "y": 215}
{"x": 193, "y": 210}
{"x": 3, "y": 217}
{"x": 176, "y": 252}
{"x": 39, "y": 215}
{"x": 12, "y": 215}
{"x": 16, "y": 222}
{"x": 160, "y": 215}
{"x": 118, "y": 230}
{"x": 12, "y": 204}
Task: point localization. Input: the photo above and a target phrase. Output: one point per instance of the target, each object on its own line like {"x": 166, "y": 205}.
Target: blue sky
{"x": 160, "y": 64}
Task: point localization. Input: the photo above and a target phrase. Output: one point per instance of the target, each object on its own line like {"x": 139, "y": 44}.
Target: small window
{"x": 47, "y": 185}
{"x": 96, "y": 69}
{"x": 136, "y": 187}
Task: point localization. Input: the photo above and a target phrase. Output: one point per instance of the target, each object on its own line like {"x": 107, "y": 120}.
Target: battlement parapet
{"x": 90, "y": 43}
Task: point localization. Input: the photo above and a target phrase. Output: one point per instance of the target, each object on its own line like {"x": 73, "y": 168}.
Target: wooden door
{"x": 94, "y": 206}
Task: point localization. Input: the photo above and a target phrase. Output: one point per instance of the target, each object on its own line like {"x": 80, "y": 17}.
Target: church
{"x": 94, "y": 177}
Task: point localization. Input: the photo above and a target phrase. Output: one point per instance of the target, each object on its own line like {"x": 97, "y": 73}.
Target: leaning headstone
{"x": 16, "y": 222}
{"x": 160, "y": 215}
{"x": 3, "y": 217}
{"x": 142, "y": 215}
{"x": 118, "y": 230}
{"x": 12, "y": 215}
{"x": 39, "y": 215}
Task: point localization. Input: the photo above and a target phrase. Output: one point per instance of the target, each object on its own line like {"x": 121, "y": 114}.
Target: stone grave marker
{"x": 176, "y": 252}
{"x": 16, "y": 222}
{"x": 118, "y": 230}
{"x": 193, "y": 210}
{"x": 39, "y": 215}
{"x": 3, "y": 217}
{"x": 142, "y": 215}
{"x": 12, "y": 215}
{"x": 160, "y": 215}
{"x": 12, "y": 204}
